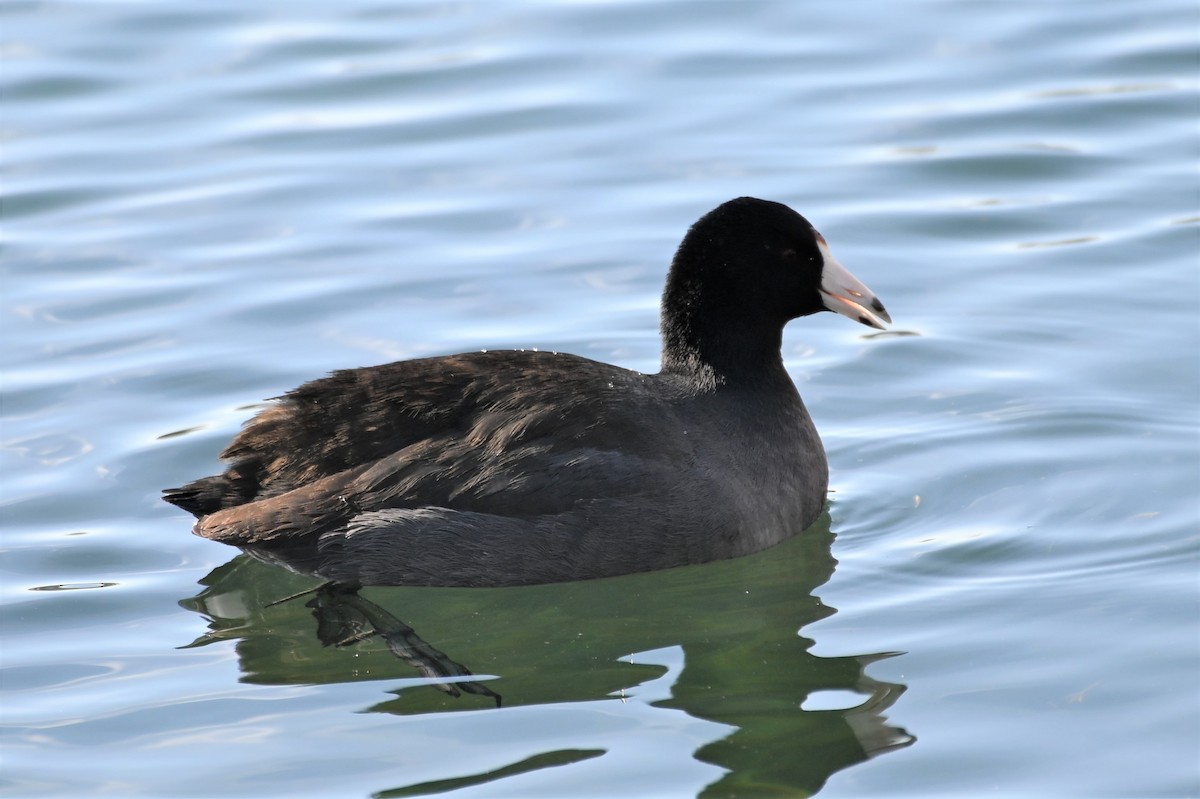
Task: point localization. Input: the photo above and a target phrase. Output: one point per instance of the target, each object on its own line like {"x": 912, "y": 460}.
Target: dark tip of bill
{"x": 877, "y": 305}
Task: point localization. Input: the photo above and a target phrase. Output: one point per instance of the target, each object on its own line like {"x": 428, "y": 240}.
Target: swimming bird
{"x": 521, "y": 467}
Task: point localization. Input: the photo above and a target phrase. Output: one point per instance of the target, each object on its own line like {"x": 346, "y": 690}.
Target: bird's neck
{"x": 717, "y": 352}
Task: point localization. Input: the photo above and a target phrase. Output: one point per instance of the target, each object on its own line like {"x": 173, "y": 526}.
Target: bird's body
{"x": 518, "y": 467}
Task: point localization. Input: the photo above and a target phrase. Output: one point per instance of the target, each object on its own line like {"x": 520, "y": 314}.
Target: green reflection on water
{"x": 736, "y": 622}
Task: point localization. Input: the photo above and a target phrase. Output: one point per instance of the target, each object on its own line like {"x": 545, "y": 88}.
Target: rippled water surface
{"x": 207, "y": 204}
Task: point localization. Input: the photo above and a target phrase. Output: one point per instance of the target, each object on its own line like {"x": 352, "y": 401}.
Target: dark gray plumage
{"x": 507, "y": 468}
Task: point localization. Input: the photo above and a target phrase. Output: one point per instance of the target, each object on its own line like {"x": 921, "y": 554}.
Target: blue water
{"x": 206, "y": 205}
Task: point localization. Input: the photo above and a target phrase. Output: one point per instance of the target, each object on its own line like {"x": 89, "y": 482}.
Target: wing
{"x": 511, "y": 433}
{"x": 329, "y": 425}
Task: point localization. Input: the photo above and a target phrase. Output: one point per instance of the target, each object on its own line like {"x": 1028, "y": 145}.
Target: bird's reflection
{"x": 736, "y": 622}
{"x": 345, "y": 618}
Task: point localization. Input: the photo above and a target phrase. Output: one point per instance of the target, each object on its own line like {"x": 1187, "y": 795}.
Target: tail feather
{"x": 209, "y": 494}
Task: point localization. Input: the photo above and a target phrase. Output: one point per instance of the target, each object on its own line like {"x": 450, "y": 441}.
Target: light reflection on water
{"x": 206, "y": 207}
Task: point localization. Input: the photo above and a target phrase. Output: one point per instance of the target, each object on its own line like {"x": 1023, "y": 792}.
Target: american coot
{"x": 517, "y": 467}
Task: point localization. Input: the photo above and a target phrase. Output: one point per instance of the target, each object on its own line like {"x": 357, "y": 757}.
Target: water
{"x": 205, "y": 206}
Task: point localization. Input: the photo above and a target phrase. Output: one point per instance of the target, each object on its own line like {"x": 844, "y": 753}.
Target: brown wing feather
{"x": 445, "y": 408}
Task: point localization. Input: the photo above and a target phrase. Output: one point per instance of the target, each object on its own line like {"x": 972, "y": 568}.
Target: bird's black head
{"x": 741, "y": 273}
